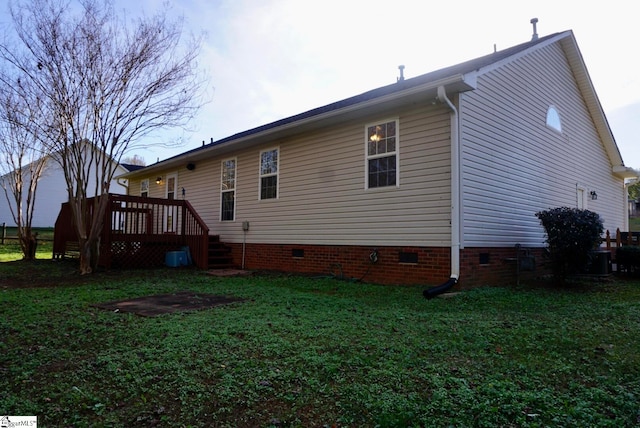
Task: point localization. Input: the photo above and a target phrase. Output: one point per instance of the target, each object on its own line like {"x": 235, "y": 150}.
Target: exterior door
{"x": 171, "y": 212}
{"x": 581, "y": 197}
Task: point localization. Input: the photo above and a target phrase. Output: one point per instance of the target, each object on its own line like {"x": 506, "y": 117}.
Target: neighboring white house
{"x": 428, "y": 178}
{"x": 52, "y": 192}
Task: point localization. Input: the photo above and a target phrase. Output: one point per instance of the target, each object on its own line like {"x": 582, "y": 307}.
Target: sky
{"x": 270, "y": 59}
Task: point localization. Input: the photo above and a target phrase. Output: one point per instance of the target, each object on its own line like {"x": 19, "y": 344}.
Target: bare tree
{"x": 107, "y": 85}
{"x": 22, "y": 162}
{"x": 134, "y": 160}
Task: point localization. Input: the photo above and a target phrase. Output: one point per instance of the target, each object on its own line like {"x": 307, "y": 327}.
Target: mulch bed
{"x": 150, "y": 306}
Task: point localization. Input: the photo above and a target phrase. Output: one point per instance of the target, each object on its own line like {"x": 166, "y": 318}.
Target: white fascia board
{"x": 622, "y": 171}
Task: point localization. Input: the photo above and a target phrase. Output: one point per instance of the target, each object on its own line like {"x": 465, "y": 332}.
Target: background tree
{"x": 22, "y": 161}
{"x": 134, "y": 160}
{"x": 106, "y": 85}
{"x": 634, "y": 191}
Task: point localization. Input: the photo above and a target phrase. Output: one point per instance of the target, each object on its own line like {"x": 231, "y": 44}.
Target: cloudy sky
{"x": 269, "y": 59}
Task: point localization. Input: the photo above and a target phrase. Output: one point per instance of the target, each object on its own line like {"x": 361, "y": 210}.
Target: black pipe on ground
{"x": 432, "y": 292}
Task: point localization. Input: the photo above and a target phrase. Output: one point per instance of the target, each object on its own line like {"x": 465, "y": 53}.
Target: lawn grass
{"x": 10, "y": 251}
{"x": 319, "y": 352}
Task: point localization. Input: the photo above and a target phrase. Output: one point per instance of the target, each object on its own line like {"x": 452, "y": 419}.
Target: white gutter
{"x": 455, "y": 185}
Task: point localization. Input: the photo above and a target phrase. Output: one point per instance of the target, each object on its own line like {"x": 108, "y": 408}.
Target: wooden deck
{"x": 139, "y": 231}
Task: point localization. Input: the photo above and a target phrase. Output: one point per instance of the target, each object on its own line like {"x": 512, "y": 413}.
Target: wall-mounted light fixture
{"x": 158, "y": 180}
{"x": 191, "y": 166}
{"x": 593, "y": 195}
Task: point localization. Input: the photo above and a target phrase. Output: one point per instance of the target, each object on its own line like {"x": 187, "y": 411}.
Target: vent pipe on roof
{"x": 534, "y": 21}
{"x": 401, "y": 68}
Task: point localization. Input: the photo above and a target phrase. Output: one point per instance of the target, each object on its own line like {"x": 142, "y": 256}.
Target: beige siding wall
{"x": 322, "y": 196}
{"x": 515, "y": 168}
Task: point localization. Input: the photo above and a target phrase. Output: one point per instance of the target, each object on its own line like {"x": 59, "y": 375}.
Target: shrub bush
{"x": 572, "y": 234}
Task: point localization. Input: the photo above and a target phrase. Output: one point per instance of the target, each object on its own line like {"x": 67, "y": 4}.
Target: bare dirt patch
{"x": 150, "y": 306}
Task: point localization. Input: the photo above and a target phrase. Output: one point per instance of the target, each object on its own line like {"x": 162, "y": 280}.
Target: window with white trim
{"x": 269, "y": 174}
{"x": 382, "y": 154}
{"x": 228, "y": 190}
{"x": 144, "y": 187}
{"x": 553, "y": 119}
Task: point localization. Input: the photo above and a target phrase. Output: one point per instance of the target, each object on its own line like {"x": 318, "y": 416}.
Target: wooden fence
{"x": 620, "y": 239}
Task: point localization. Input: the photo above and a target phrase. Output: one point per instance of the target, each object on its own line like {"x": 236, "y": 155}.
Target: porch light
{"x": 158, "y": 180}
{"x": 594, "y": 195}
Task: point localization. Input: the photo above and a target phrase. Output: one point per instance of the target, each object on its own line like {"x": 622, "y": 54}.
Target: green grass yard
{"x": 314, "y": 352}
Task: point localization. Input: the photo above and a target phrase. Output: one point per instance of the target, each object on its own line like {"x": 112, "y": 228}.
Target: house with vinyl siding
{"x": 51, "y": 193}
{"x": 433, "y": 177}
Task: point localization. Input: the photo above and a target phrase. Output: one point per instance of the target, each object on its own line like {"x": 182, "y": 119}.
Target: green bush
{"x": 572, "y": 234}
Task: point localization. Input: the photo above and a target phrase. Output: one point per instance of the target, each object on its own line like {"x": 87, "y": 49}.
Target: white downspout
{"x": 455, "y": 185}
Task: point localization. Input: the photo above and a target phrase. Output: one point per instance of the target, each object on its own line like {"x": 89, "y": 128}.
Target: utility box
{"x": 600, "y": 263}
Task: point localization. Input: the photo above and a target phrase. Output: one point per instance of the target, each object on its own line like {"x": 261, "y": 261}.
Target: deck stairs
{"x": 219, "y": 254}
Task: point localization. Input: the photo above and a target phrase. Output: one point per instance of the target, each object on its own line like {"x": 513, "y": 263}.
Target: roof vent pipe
{"x": 401, "y": 68}
{"x": 534, "y": 21}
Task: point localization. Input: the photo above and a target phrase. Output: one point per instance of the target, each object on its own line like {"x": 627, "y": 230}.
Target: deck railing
{"x": 138, "y": 231}
{"x": 621, "y": 238}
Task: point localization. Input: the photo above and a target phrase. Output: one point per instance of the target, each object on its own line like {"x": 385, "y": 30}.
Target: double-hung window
{"x": 269, "y": 174}
{"x": 228, "y": 190}
{"x": 382, "y": 154}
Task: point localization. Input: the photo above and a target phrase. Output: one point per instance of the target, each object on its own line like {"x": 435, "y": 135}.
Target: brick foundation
{"x": 394, "y": 265}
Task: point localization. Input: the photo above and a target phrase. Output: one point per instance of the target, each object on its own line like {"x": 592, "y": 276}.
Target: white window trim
{"x": 367, "y": 157}
{"x": 235, "y": 185}
{"x": 142, "y": 182}
{"x": 261, "y": 176}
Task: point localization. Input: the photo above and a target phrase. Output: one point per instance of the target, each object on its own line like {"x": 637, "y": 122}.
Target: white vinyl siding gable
{"x": 514, "y": 165}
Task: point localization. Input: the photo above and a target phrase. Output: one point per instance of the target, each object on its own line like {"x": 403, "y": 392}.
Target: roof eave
{"x": 453, "y": 84}
{"x": 592, "y": 101}
{"x": 625, "y": 172}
